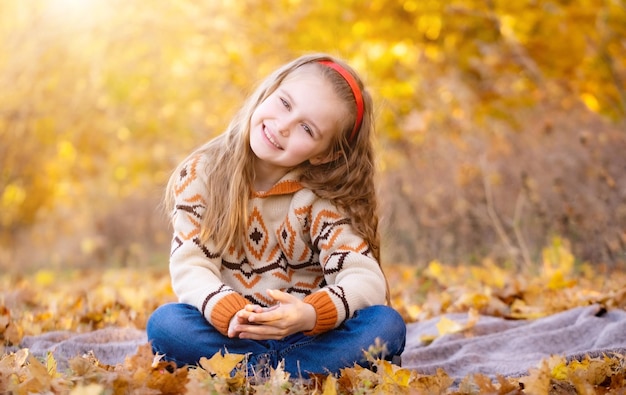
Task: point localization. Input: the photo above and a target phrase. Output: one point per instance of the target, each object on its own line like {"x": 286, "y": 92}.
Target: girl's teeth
{"x": 271, "y": 139}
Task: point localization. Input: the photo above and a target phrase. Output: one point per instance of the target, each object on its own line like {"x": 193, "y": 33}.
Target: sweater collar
{"x": 287, "y": 185}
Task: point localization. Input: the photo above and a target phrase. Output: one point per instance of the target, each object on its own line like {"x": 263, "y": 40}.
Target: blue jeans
{"x": 181, "y": 333}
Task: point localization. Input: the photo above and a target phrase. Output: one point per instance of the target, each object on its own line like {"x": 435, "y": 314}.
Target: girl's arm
{"x": 194, "y": 266}
{"x": 354, "y": 277}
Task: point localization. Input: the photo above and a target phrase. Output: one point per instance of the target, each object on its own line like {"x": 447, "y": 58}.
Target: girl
{"x": 275, "y": 252}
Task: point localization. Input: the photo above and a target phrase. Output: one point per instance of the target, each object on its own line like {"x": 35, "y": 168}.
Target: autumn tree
{"x": 501, "y": 123}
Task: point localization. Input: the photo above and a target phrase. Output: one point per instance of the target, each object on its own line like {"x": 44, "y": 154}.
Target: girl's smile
{"x": 271, "y": 139}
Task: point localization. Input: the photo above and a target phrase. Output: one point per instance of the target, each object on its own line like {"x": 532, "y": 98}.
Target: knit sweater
{"x": 295, "y": 242}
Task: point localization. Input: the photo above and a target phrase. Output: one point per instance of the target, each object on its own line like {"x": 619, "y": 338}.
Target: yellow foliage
{"x": 591, "y": 102}
{"x": 558, "y": 264}
{"x": 12, "y": 195}
{"x": 86, "y": 300}
{"x": 436, "y": 270}
{"x": 82, "y": 111}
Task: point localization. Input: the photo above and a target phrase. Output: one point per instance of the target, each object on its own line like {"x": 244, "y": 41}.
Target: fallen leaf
{"x": 221, "y": 365}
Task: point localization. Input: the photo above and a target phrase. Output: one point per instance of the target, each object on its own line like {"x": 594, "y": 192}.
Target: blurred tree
{"x": 99, "y": 99}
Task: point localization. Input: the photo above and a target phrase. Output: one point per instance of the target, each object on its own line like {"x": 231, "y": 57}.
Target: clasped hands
{"x": 288, "y": 316}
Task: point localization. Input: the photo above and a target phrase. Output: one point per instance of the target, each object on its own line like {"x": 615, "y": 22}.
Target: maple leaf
{"x": 168, "y": 379}
{"x": 433, "y": 384}
{"x": 143, "y": 357}
{"x": 10, "y": 332}
{"x": 356, "y": 377}
{"x": 594, "y": 371}
{"x": 539, "y": 379}
{"x": 15, "y": 360}
{"x": 151, "y": 371}
{"x": 348, "y": 379}
{"x": 392, "y": 375}
{"x": 478, "y": 383}
{"x": 85, "y": 368}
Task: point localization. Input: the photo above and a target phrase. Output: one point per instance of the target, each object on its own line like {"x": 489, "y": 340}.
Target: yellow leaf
{"x": 559, "y": 367}
{"x": 590, "y": 101}
{"x": 44, "y": 277}
{"x": 558, "y": 281}
{"x": 428, "y": 338}
{"x": 12, "y": 195}
{"x": 435, "y": 270}
{"x": 66, "y": 152}
{"x": 330, "y": 386}
{"x": 594, "y": 371}
{"x": 558, "y": 263}
{"x": 221, "y": 365}
{"x": 51, "y": 365}
{"x": 393, "y": 375}
{"x": 446, "y": 326}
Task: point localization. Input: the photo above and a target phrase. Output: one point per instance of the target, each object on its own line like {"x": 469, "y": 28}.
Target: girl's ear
{"x": 325, "y": 158}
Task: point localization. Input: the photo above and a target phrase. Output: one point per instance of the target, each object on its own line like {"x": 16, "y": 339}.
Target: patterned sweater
{"x": 295, "y": 242}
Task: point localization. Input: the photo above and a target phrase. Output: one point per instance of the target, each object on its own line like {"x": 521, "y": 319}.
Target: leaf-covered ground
{"x": 84, "y": 300}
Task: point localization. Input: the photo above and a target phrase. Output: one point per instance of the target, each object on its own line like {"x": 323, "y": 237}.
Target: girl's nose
{"x": 283, "y": 126}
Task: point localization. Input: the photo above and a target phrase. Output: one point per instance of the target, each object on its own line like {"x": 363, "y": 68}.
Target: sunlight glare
{"x": 71, "y": 9}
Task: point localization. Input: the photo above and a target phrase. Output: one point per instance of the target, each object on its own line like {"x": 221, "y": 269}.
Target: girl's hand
{"x": 288, "y": 316}
{"x": 241, "y": 317}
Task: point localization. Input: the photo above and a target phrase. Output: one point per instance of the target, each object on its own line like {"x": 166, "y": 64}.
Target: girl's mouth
{"x": 271, "y": 139}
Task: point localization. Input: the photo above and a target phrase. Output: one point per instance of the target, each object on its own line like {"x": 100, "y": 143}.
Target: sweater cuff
{"x": 225, "y": 309}
{"x": 325, "y": 310}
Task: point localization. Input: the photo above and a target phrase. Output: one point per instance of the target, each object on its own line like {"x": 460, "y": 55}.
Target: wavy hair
{"x": 347, "y": 181}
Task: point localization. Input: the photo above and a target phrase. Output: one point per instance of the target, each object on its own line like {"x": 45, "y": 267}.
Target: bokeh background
{"x": 501, "y": 124}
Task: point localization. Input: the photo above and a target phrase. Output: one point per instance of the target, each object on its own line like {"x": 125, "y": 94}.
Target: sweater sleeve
{"x": 353, "y": 276}
{"x": 194, "y": 267}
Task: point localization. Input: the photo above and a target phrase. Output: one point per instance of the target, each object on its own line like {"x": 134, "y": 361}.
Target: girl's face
{"x": 297, "y": 122}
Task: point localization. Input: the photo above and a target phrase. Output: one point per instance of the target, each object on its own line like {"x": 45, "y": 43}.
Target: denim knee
{"x": 162, "y": 325}
{"x": 391, "y": 324}
{"x": 154, "y": 328}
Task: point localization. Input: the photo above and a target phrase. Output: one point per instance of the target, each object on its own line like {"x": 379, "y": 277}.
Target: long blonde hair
{"x": 347, "y": 181}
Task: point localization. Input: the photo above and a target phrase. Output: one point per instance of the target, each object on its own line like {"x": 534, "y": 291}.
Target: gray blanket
{"x": 498, "y": 346}
{"x": 491, "y": 346}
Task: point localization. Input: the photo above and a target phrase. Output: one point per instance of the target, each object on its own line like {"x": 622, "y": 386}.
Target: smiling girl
{"x": 275, "y": 252}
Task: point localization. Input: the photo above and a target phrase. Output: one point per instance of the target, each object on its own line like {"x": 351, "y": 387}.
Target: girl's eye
{"x": 307, "y": 129}
{"x": 285, "y": 103}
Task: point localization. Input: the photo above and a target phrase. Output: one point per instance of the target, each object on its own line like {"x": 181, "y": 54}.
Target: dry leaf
{"x": 330, "y": 386}
{"x": 221, "y": 365}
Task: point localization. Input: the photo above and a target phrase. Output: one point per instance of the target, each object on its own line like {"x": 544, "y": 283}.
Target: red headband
{"x": 358, "y": 96}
